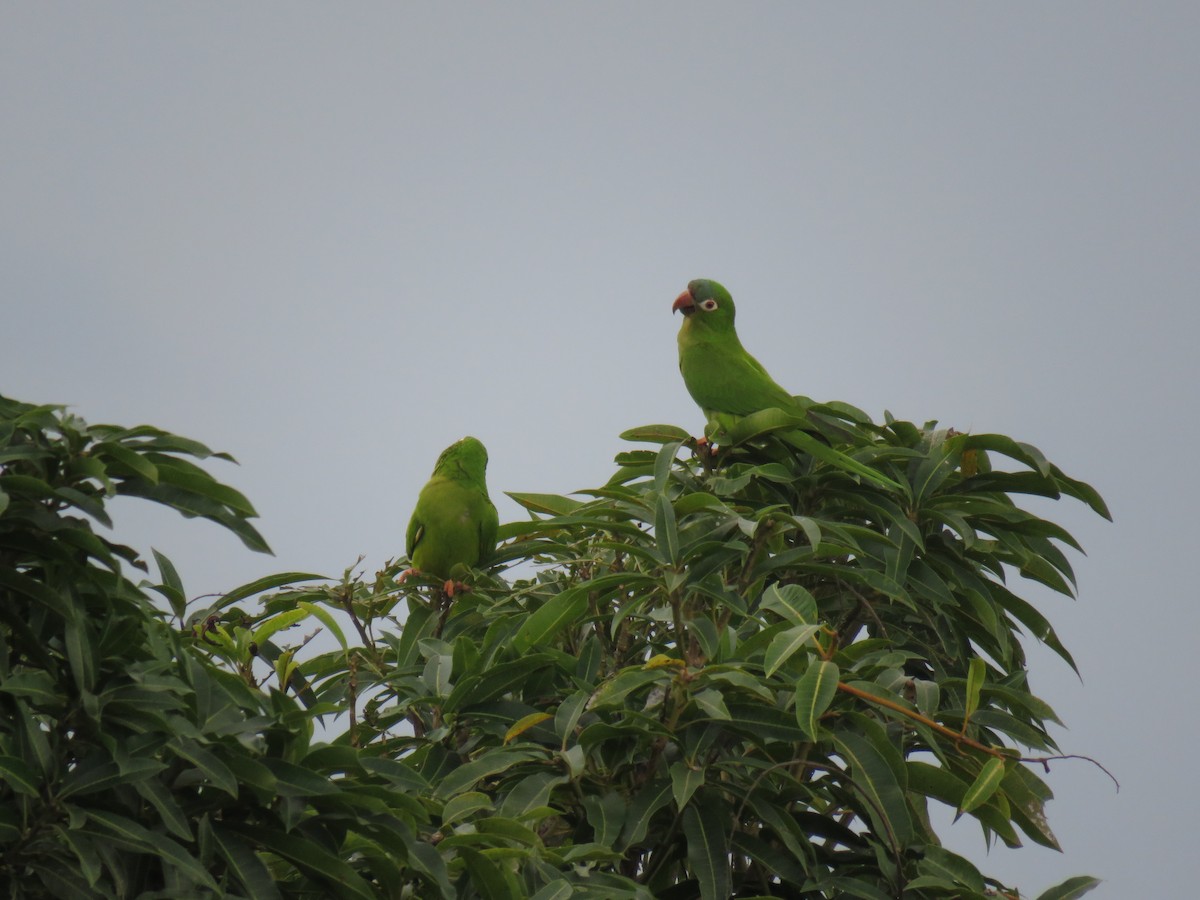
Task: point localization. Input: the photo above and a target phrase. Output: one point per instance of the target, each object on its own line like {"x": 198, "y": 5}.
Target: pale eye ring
{"x": 708, "y": 305}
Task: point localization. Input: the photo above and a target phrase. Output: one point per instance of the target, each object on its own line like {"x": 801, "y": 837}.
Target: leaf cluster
{"x": 130, "y": 764}
{"x": 744, "y": 674}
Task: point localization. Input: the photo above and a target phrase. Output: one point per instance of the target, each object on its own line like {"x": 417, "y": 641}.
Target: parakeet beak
{"x": 684, "y": 303}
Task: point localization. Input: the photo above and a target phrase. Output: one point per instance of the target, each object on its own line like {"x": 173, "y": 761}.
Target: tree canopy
{"x": 747, "y": 674}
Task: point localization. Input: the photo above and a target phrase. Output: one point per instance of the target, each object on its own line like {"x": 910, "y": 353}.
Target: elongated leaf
{"x": 129, "y": 833}
{"x": 708, "y": 848}
{"x": 136, "y": 463}
{"x": 554, "y": 504}
{"x": 468, "y": 774}
{"x": 1071, "y": 889}
{"x": 569, "y": 606}
{"x": 984, "y": 785}
{"x": 787, "y": 644}
{"x": 656, "y": 434}
{"x": 18, "y": 776}
{"x": 265, "y": 584}
{"x": 204, "y": 760}
{"x": 952, "y": 868}
{"x": 685, "y": 780}
{"x": 666, "y": 532}
{"x": 278, "y": 622}
{"x": 490, "y": 880}
{"x": 326, "y": 619}
{"x": 792, "y": 602}
{"x": 309, "y": 857}
{"x": 975, "y": 675}
{"x": 245, "y": 866}
{"x": 606, "y": 815}
{"x": 875, "y": 779}
{"x": 524, "y": 724}
{"x": 462, "y": 806}
{"x": 814, "y": 693}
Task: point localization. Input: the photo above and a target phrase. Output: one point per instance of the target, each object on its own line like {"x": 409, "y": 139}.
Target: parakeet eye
{"x": 708, "y": 305}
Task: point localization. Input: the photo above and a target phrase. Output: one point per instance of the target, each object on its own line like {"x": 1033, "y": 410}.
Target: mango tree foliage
{"x": 748, "y": 673}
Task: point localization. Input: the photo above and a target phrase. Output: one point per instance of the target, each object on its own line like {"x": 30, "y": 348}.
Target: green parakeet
{"x": 454, "y": 525}
{"x": 728, "y": 383}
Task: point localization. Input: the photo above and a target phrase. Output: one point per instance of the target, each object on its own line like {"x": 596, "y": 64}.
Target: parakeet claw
{"x": 452, "y": 587}
{"x": 403, "y": 576}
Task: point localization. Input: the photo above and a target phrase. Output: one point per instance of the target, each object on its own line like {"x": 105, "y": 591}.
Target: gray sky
{"x": 333, "y": 239}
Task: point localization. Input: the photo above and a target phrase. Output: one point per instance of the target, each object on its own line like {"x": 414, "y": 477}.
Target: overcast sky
{"x": 332, "y": 239}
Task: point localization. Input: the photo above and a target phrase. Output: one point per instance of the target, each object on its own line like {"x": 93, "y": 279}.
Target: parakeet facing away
{"x": 728, "y": 383}
{"x": 454, "y": 525}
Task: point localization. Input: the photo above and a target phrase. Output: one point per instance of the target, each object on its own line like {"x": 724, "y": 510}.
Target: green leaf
{"x": 462, "y": 806}
{"x": 34, "y": 685}
{"x": 469, "y": 774}
{"x": 326, "y": 619}
{"x": 642, "y": 807}
{"x": 606, "y": 815}
{"x": 245, "y": 866}
{"x": 156, "y": 793}
{"x": 684, "y": 782}
{"x": 264, "y": 584}
{"x": 656, "y": 434}
{"x": 278, "y": 622}
{"x": 79, "y": 641}
{"x": 487, "y": 878}
{"x": 951, "y": 867}
{"x": 875, "y": 779}
{"x": 567, "y": 607}
{"x": 708, "y": 847}
{"x": 975, "y": 676}
{"x": 553, "y": 504}
{"x": 814, "y": 693}
{"x": 129, "y": 833}
{"x": 19, "y": 776}
{"x": 135, "y": 463}
{"x": 791, "y": 601}
{"x": 208, "y": 764}
{"x": 1071, "y": 889}
{"x": 984, "y": 786}
{"x": 309, "y": 857}
{"x": 785, "y": 645}
{"x": 292, "y": 780}
{"x": 712, "y": 703}
{"x": 666, "y": 532}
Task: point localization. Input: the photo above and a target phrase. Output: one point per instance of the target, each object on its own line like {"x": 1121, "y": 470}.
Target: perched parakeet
{"x": 723, "y": 378}
{"x": 728, "y": 383}
{"x": 454, "y": 525}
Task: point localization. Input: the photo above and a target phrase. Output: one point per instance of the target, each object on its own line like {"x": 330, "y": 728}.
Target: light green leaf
{"x": 976, "y": 673}
{"x": 791, "y": 601}
{"x": 814, "y": 693}
{"x": 785, "y": 645}
{"x": 656, "y": 434}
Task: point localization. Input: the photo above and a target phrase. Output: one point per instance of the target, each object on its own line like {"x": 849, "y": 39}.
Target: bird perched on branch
{"x": 453, "y": 527}
{"x": 728, "y": 384}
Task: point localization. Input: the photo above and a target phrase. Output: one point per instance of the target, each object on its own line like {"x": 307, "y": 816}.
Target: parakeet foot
{"x": 403, "y": 576}
{"x": 452, "y": 587}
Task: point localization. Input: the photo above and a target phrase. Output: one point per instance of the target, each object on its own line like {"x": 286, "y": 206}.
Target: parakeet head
{"x": 463, "y": 460}
{"x": 706, "y": 304}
